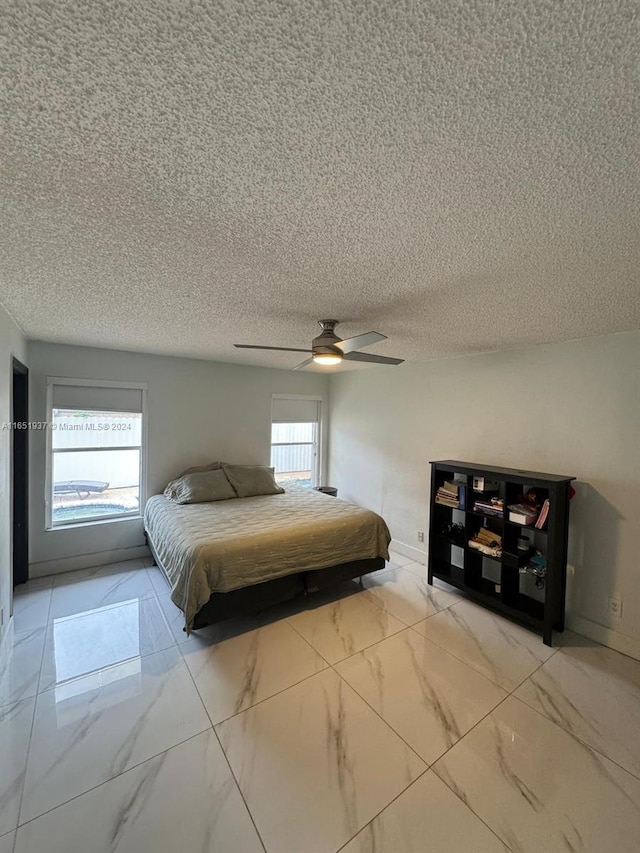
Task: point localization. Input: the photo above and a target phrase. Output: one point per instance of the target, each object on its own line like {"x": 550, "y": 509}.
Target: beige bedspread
{"x": 221, "y": 546}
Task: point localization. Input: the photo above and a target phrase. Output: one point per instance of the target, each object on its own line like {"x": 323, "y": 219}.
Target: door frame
{"x": 19, "y": 474}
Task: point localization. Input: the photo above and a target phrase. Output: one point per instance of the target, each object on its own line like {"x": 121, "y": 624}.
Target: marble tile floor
{"x": 391, "y": 717}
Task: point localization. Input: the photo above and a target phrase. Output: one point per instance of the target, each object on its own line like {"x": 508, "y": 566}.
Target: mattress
{"x": 225, "y": 545}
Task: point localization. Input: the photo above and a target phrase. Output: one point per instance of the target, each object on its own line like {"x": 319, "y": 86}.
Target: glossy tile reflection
{"x": 538, "y": 788}
{"x": 15, "y": 731}
{"x": 405, "y": 595}
{"x": 499, "y": 649}
{"x": 93, "y": 728}
{"x": 31, "y": 604}
{"x": 78, "y": 645}
{"x": 20, "y": 662}
{"x": 594, "y": 693}
{"x": 76, "y": 593}
{"x": 330, "y": 709}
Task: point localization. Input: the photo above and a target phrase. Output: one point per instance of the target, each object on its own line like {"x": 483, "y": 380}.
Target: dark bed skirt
{"x": 252, "y": 599}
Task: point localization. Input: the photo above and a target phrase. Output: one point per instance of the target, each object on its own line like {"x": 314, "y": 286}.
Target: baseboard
{"x": 604, "y": 635}
{"x": 414, "y": 554}
{"x": 86, "y": 561}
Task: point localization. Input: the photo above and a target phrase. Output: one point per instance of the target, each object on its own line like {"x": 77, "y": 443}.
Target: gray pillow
{"x": 251, "y": 480}
{"x": 201, "y": 487}
{"x": 169, "y": 491}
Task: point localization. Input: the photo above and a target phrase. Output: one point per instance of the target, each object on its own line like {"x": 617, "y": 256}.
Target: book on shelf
{"x": 445, "y": 498}
{"x": 493, "y": 506}
{"x": 487, "y": 542}
{"x": 544, "y": 514}
{"x": 522, "y": 514}
{"x": 452, "y": 494}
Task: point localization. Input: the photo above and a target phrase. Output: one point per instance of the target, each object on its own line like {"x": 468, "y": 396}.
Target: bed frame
{"x": 251, "y": 599}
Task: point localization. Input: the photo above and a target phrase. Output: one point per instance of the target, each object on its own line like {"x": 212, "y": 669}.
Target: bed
{"x": 233, "y": 557}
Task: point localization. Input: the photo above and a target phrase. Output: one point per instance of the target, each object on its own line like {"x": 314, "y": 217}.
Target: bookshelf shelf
{"x": 497, "y": 582}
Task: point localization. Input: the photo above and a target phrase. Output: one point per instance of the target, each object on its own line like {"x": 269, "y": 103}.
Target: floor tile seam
{"x": 458, "y": 658}
{"x": 453, "y": 791}
{"x": 464, "y": 662}
{"x": 260, "y": 701}
{"x": 386, "y": 806}
{"x": 240, "y": 791}
{"x": 382, "y": 719}
{"x": 370, "y": 645}
{"x": 385, "y": 609}
{"x": 302, "y": 637}
{"x": 430, "y": 764}
{"x": 381, "y": 606}
{"x": 589, "y": 747}
{"x": 107, "y": 572}
{"x": 226, "y": 758}
{"x": 105, "y": 668}
{"x": 153, "y": 586}
{"x": 492, "y": 711}
{"x": 291, "y": 625}
{"x": 555, "y": 651}
{"x": 52, "y": 619}
{"x": 26, "y": 762}
{"x": 33, "y": 720}
{"x": 112, "y": 778}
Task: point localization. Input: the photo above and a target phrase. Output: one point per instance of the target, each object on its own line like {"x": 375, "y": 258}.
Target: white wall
{"x": 571, "y": 408}
{"x": 198, "y": 411}
{"x": 12, "y": 343}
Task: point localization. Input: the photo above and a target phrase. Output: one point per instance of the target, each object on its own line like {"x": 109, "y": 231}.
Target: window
{"x": 96, "y": 464}
{"x": 295, "y": 440}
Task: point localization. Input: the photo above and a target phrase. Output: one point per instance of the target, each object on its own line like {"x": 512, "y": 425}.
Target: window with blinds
{"x": 95, "y": 460}
{"x": 295, "y": 438}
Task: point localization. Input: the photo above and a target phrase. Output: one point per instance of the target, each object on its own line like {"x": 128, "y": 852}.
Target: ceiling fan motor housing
{"x": 325, "y": 343}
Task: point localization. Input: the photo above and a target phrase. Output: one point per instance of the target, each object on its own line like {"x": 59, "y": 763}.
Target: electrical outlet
{"x": 420, "y": 535}
{"x": 614, "y": 607}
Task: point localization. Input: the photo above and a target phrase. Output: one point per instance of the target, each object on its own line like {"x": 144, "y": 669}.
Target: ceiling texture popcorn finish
{"x": 463, "y": 175}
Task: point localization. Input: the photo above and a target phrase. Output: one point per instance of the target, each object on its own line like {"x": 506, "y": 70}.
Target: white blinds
{"x": 294, "y": 410}
{"x": 96, "y": 397}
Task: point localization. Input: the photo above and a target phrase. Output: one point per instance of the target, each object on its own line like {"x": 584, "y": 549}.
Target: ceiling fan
{"x": 328, "y": 348}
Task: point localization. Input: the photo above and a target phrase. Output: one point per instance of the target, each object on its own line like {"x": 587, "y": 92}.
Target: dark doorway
{"x": 20, "y": 472}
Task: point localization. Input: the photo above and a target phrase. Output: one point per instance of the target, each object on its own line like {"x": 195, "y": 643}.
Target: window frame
{"x": 50, "y": 453}
{"x": 317, "y": 475}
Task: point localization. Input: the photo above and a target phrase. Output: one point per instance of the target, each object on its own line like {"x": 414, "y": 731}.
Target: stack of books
{"x": 451, "y": 494}
{"x": 494, "y": 506}
{"x": 487, "y": 542}
{"x": 542, "y": 518}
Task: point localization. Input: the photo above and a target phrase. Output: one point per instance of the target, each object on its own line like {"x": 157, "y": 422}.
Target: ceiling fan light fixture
{"x": 328, "y": 358}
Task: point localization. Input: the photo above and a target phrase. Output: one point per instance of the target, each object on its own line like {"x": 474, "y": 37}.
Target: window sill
{"x": 92, "y": 522}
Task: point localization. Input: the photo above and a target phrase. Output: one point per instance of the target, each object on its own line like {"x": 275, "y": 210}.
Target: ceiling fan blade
{"x": 281, "y": 349}
{"x": 351, "y": 344}
{"x": 373, "y": 359}
{"x": 303, "y": 363}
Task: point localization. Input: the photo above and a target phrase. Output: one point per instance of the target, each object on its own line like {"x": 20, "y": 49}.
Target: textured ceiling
{"x": 460, "y": 176}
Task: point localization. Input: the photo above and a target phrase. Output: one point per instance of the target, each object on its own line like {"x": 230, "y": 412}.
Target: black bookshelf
{"x": 497, "y": 582}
